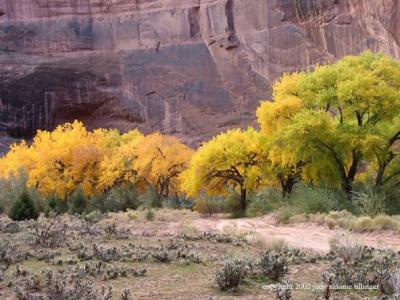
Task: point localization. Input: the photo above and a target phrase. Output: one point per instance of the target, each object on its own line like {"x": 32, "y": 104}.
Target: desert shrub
{"x": 370, "y": 202}
{"x": 383, "y": 222}
{"x": 149, "y": 215}
{"x": 49, "y": 232}
{"x": 300, "y": 218}
{"x": 54, "y": 204}
{"x": 362, "y": 224}
{"x": 115, "y": 200}
{"x": 208, "y": 205}
{"x": 59, "y": 287}
{"x": 263, "y": 202}
{"x": 273, "y": 265}
{"x": 232, "y": 205}
{"x": 275, "y": 244}
{"x": 90, "y": 219}
{"x": 311, "y": 200}
{"x": 178, "y": 202}
{"x": 188, "y": 230}
{"x": 77, "y": 202}
{"x": 122, "y": 199}
{"x": 395, "y": 281}
{"x": 341, "y": 273}
{"x": 339, "y": 214}
{"x": 126, "y": 295}
{"x": 24, "y": 208}
{"x": 382, "y": 268}
{"x": 285, "y": 213}
{"x": 392, "y": 201}
{"x": 283, "y": 291}
{"x": 346, "y": 248}
{"x": 98, "y": 202}
{"x": 150, "y": 198}
{"x": 230, "y": 275}
{"x": 317, "y": 218}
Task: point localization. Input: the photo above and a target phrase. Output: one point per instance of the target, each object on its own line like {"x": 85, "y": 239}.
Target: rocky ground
{"x": 172, "y": 254}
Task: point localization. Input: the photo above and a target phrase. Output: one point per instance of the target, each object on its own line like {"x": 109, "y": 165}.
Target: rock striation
{"x": 191, "y": 68}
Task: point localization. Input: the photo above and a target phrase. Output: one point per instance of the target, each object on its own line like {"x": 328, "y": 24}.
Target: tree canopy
{"x": 70, "y": 157}
{"x": 235, "y": 160}
{"x": 337, "y": 120}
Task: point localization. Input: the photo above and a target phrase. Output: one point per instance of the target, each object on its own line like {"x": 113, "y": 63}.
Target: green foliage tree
{"x": 78, "y": 202}
{"x": 338, "y": 119}
{"x": 24, "y": 208}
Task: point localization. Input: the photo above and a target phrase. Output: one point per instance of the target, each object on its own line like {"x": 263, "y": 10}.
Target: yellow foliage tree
{"x": 235, "y": 159}
{"x": 57, "y": 162}
{"x": 118, "y": 166}
{"x": 65, "y": 158}
{"x": 160, "y": 161}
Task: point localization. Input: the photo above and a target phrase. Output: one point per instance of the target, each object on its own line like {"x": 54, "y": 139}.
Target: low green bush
{"x": 264, "y": 202}
{"x": 370, "y": 202}
{"x": 150, "y": 199}
{"x": 311, "y": 200}
{"x": 98, "y": 202}
{"x": 54, "y": 204}
{"x": 232, "y": 205}
{"x": 121, "y": 199}
{"x": 77, "y": 202}
{"x": 11, "y": 189}
{"x": 117, "y": 199}
{"x": 24, "y": 208}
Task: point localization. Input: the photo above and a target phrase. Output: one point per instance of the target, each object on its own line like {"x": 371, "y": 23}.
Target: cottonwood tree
{"x": 235, "y": 160}
{"x": 160, "y": 161}
{"x": 58, "y": 161}
{"x": 337, "y": 119}
{"x": 118, "y": 165}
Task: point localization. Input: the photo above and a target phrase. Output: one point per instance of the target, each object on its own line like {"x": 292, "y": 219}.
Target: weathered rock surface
{"x": 186, "y": 67}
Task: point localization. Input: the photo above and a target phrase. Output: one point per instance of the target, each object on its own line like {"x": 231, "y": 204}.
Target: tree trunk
{"x": 242, "y": 203}
{"x": 347, "y": 188}
{"x": 348, "y": 179}
{"x": 287, "y": 185}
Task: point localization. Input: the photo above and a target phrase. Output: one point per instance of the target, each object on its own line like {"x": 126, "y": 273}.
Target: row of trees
{"x": 58, "y": 162}
{"x": 333, "y": 126}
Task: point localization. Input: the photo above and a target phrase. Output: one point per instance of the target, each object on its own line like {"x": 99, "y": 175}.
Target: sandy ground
{"x": 305, "y": 235}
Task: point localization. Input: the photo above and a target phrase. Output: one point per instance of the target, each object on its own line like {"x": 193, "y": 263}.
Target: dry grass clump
{"x": 383, "y": 222}
{"x": 275, "y": 244}
{"x": 363, "y": 224}
{"x": 187, "y": 228}
{"x": 344, "y": 219}
{"x": 347, "y": 248}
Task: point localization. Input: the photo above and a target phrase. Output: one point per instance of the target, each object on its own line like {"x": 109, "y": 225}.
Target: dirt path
{"x": 305, "y": 235}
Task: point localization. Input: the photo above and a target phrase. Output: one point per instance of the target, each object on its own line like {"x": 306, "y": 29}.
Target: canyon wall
{"x": 191, "y": 68}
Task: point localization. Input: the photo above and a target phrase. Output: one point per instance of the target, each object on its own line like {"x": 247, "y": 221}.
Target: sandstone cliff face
{"x": 186, "y": 67}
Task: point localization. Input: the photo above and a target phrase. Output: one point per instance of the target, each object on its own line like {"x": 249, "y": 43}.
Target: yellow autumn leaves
{"x": 58, "y": 162}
